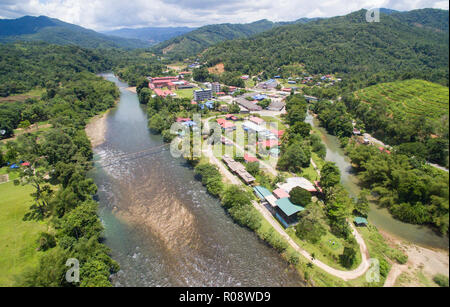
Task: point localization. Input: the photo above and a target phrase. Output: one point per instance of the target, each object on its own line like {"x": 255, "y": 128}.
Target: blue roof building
{"x": 261, "y": 192}
{"x": 259, "y": 97}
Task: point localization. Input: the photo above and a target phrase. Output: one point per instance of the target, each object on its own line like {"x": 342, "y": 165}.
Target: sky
{"x": 104, "y": 15}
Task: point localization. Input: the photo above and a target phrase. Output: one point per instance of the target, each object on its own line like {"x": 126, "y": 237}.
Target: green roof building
{"x": 288, "y": 207}
{"x": 360, "y": 221}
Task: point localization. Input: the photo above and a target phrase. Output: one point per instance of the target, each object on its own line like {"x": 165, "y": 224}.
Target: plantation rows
{"x": 413, "y": 98}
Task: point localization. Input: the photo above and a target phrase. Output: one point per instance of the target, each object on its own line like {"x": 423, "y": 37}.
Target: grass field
{"x": 18, "y": 239}
{"x": 409, "y": 99}
{"x": 186, "y": 93}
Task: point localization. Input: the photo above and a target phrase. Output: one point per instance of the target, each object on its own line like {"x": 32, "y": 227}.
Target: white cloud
{"x": 108, "y": 14}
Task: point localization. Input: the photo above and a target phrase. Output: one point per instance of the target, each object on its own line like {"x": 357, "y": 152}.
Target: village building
{"x": 360, "y": 221}
{"x": 297, "y": 182}
{"x": 202, "y": 95}
{"x": 256, "y": 120}
{"x": 280, "y": 193}
{"x": 215, "y": 87}
{"x": 286, "y": 212}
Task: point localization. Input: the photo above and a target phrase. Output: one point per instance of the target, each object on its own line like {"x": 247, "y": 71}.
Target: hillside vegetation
{"x": 54, "y": 31}
{"x": 194, "y": 42}
{"x": 151, "y": 35}
{"x": 24, "y": 66}
{"x": 408, "y": 99}
{"x": 347, "y": 45}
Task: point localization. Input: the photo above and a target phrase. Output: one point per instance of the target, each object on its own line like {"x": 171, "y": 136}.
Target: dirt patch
{"x": 423, "y": 264}
{"x": 17, "y": 98}
{"x": 169, "y": 48}
{"x": 4, "y": 178}
{"x": 132, "y": 89}
{"x": 217, "y": 69}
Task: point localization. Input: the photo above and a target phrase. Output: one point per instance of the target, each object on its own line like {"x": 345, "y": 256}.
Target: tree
{"x": 329, "y": 175}
{"x": 201, "y": 74}
{"x": 235, "y": 108}
{"x": 24, "y": 124}
{"x": 144, "y": 95}
{"x": 252, "y": 168}
{"x": 311, "y": 226}
{"x": 295, "y": 157}
{"x": 296, "y": 114}
{"x": 300, "y": 196}
{"x": 300, "y": 128}
{"x": 362, "y": 207}
{"x": 348, "y": 257}
{"x": 43, "y": 193}
{"x": 235, "y": 196}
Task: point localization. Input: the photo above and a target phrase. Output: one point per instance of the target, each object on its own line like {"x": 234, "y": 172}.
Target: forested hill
{"x": 24, "y": 66}
{"x": 54, "y": 31}
{"x": 151, "y": 35}
{"x": 192, "y": 43}
{"x": 429, "y": 18}
{"x": 347, "y": 44}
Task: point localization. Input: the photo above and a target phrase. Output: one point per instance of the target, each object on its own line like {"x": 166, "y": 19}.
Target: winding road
{"x": 344, "y": 275}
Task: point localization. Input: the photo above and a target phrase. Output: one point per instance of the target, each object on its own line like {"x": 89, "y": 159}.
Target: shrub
{"x": 441, "y": 280}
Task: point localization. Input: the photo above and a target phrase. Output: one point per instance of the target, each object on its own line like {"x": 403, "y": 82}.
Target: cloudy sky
{"x": 111, "y": 14}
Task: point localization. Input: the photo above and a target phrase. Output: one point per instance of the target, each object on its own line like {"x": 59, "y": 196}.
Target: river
{"x": 161, "y": 225}
{"x": 380, "y": 217}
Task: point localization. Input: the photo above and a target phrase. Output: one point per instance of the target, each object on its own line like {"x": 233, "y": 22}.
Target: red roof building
{"x": 250, "y": 159}
{"x": 228, "y": 125}
{"x": 269, "y": 143}
{"x": 221, "y": 121}
{"x": 278, "y": 133}
{"x": 182, "y": 119}
{"x": 280, "y": 193}
{"x": 162, "y": 93}
{"x": 257, "y": 120}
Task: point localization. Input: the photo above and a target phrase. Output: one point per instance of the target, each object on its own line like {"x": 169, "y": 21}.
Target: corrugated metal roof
{"x": 287, "y": 207}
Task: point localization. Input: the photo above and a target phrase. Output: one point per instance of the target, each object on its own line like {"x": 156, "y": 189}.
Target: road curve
{"x": 344, "y": 275}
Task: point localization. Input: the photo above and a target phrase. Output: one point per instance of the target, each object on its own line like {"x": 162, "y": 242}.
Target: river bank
{"x": 96, "y": 129}
{"x": 423, "y": 264}
{"x": 427, "y": 252}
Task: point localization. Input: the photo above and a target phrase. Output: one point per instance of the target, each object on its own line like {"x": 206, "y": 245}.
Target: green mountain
{"x": 152, "y": 35}
{"x": 429, "y": 18}
{"x": 27, "y": 65}
{"x": 194, "y": 42}
{"x": 54, "y": 31}
{"x": 346, "y": 44}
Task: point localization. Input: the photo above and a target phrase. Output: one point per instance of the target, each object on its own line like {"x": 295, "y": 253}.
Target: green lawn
{"x": 186, "y": 93}
{"x": 18, "y": 239}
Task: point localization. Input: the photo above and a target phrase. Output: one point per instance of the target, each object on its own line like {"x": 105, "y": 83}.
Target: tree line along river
{"x": 380, "y": 217}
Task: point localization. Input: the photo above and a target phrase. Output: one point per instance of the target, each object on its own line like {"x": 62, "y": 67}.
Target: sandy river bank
{"x": 96, "y": 129}
{"x": 423, "y": 264}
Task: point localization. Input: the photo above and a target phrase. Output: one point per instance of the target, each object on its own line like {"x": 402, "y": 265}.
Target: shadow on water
{"x": 380, "y": 217}
{"x": 161, "y": 225}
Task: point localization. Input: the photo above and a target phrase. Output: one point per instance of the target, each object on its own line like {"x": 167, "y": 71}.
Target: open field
{"x": 186, "y": 93}
{"x": 35, "y": 93}
{"x": 18, "y": 239}
{"x": 409, "y": 99}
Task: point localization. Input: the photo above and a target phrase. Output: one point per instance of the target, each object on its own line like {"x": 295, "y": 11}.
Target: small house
{"x": 360, "y": 221}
